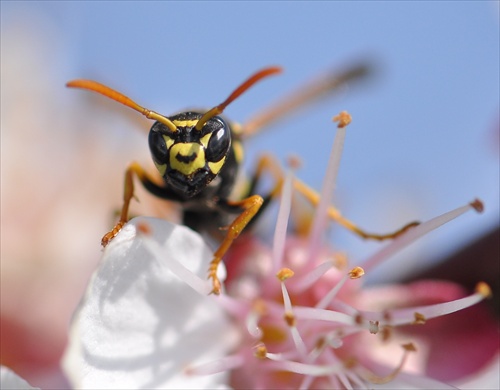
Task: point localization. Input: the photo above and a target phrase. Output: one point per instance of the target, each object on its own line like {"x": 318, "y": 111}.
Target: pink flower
{"x": 293, "y": 315}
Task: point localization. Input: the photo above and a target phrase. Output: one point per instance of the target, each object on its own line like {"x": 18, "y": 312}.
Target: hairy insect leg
{"x": 334, "y": 214}
{"x": 250, "y": 206}
{"x": 128, "y": 194}
{"x": 268, "y": 163}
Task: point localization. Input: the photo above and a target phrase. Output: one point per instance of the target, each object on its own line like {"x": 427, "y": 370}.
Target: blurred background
{"x": 424, "y": 137}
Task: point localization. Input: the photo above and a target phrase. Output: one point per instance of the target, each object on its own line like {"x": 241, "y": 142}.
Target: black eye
{"x": 158, "y": 147}
{"x": 218, "y": 145}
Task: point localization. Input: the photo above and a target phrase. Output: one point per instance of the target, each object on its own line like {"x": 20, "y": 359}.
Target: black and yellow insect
{"x": 198, "y": 154}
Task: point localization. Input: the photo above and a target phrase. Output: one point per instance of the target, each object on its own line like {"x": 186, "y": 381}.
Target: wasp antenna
{"x": 305, "y": 95}
{"x": 237, "y": 92}
{"x": 102, "y": 89}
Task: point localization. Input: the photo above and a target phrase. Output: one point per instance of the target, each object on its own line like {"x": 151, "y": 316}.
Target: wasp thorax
{"x": 189, "y": 159}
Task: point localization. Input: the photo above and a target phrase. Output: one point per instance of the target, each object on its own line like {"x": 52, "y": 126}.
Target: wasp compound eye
{"x": 218, "y": 145}
{"x": 158, "y": 146}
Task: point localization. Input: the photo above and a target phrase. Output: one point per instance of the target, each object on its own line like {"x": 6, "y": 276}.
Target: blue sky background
{"x": 425, "y": 133}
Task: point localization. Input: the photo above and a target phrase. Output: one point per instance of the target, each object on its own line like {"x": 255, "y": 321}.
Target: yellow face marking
{"x": 204, "y": 140}
{"x": 187, "y": 158}
{"x": 216, "y": 166}
{"x": 185, "y": 123}
{"x": 161, "y": 168}
{"x": 168, "y": 141}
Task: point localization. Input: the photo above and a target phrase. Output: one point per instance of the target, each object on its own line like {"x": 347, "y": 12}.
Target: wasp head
{"x": 188, "y": 159}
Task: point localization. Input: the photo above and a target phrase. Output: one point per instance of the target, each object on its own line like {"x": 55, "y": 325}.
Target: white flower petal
{"x": 10, "y": 380}
{"x": 139, "y": 325}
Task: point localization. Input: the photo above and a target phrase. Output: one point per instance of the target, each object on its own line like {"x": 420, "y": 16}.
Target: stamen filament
{"x": 313, "y": 276}
{"x": 356, "y": 380}
{"x": 312, "y": 313}
{"x": 373, "y": 378}
{"x": 307, "y": 369}
{"x": 321, "y": 215}
{"x": 345, "y": 381}
{"x": 413, "y": 234}
{"x": 282, "y": 221}
{"x": 325, "y": 301}
{"x": 290, "y": 319}
{"x": 407, "y": 316}
{"x": 306, "y": 382}
{"x": 252, "y": 321}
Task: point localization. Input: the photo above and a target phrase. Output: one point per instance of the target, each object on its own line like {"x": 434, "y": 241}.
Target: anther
{"x": 419, "y": 319}
{"x": 386, "y": 333}
{"x": 373, "y": 327}
{"x": 356, "y": 273}
{"x": 343, "y": 119}
{"x": 483, "y": 289}
{"x": 290, "y": 319}
{"x": 260, "y": 351}
{"x": 409, "y": 347}
{"x": 477, "y": 205}
{"x": 284, "y": 273}
{"x": 350, "y": 362}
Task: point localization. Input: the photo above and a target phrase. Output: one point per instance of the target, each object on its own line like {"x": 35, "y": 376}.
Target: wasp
{"x": 198, "y": 154}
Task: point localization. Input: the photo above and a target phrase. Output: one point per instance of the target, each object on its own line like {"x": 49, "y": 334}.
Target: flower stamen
{"x": 418, "y": 231}
{"x": 373, "y": 378}
{"x": 419, "y": 319}
{"x": 260, "y": 351}
{"x": 282, "y": 221}
{"x": 483, "y": 289}
{"x": 313, "y": 276}
{"x": 477, "y": 205}
{"x": 343, "y": 119}
{"x": 284, "y": 274}
{"x": 327, "y": 190}
{"x": 415, "y": 315}
{"x": 356, "y": 273}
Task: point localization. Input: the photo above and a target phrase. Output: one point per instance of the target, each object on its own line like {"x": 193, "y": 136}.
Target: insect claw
{"x": 111, "y": 234}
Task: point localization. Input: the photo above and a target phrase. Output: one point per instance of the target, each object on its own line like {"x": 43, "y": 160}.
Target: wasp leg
{"x": 250, "y": 206}
{"x": 128, "y": 194}
{"x": 267, "y": 162}
{"x": 313, "y": 197}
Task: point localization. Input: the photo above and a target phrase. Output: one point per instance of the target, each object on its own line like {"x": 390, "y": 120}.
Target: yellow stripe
{"x": 186, "y": 123}
{"x": 168, "y": 141}
{"x": 187, "y": 150}
{"x": 161, "y": 168}
{"x": 215, "y": 167}
{"x": 204, "y": 140}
